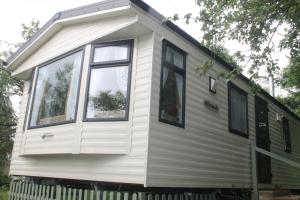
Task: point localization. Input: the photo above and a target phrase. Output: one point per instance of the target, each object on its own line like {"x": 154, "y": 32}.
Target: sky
{"x": 15, "y": 12}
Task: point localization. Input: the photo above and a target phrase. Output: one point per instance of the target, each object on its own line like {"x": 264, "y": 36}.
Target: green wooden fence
{"x": 21, "y": 190}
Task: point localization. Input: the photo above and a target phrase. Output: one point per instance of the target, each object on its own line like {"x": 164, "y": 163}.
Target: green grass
{"x": 3, "y": 193}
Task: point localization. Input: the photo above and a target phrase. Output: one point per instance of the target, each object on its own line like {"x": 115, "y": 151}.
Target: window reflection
{"x": 56, "y": 91}
{"x": 107, "y": 92}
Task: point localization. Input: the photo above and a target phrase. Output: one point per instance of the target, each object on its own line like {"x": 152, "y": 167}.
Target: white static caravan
{"x": 112, "y": 96}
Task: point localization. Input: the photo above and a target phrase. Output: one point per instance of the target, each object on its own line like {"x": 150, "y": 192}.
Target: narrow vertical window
{"x": 286, "y": 135}
{"x": 172, "y": 86}
{"x": 56, "y": 91}
{"x": 109, "y": 82}
{"x": 237, "y": 110}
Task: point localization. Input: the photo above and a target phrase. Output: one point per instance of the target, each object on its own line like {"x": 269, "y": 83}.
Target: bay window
{"x": 109, "y": 82}
{"x": 56, "y": 91}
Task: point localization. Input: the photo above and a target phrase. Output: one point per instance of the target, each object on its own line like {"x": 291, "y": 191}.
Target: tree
{"x": 291, "y": 82}
{"x": 265, "y": 27}
{"x": 106, "y": 101}
{"x": 9, "y": 86}
{"x": 29, "y": 30}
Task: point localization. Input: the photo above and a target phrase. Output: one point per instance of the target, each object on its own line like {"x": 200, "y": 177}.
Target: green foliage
{"x": 29, "y": 30}
{"x": 291, "y": 75}
{"x": 291, "y": 81}
{"x": 3, "y": 193}
{"x": 9, "y": 86}
{"x": 292, "y": 101}
{"x": 265, "y": 27}
{"x": 254, "y": 23}
{"x": 105, "y": 101}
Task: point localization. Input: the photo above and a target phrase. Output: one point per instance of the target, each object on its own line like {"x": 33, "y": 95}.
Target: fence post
{"x": 254, "y": 174}
{"x": 58, "y": 193}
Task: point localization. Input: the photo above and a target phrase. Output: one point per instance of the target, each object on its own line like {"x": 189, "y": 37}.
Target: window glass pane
{"x": 108, "y": 92}
{"x": 238, "y": 111}
{"x": 286, "y": 134}
{"x": 110, "y": 53}
{"x": 171, "y": 96}
{"x": 174, "y": 57}
{"x": 56, "y": 91}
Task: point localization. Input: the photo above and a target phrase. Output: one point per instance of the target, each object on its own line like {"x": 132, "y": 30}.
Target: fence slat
{"x": 80, "y": 194}
{"x": 51, "y": 193}
{"x": 28, "y": 191}
{"x": 91, "y": 194}
{"x": 32, "y": 191}
{"x": 98, "y": 193}
{"x": 69, "y": 193}
{"x": 85, "y": 195}
{"x": 10, "y": 190}
{"x": 64, "y": 193}
{"x": 74, "y": 193}
{"x": 20, "y": 190}
{"x": 43, "y": 192}
{"x": 40, "y": 192}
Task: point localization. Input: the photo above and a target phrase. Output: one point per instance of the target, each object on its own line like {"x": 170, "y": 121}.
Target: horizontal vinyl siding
{"x": 284, "y": 175}
{"x": 204, "y": 153}
{"x": 110, "y": 167}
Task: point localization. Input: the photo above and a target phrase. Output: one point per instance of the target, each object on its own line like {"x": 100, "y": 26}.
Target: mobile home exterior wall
{"x": 91, "y": 160}
{"x": 204, "y": 153}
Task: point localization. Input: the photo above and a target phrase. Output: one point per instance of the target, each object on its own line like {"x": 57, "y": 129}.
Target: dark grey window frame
{"x": 78, "y": 88}
{"x": 110, "y": 64}
{"x": 286, "y": 135}
{"x": 178, "y": 70}
{"x": 230, "y": 85}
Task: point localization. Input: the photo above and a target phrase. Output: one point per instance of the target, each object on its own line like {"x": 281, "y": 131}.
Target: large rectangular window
{"x": 286, "y": 135}
{"x": 237, "y": 110}
{"x": 56, "y": 91}
{"x": 172, "y": 86}
{"x": 109, "y": 82}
